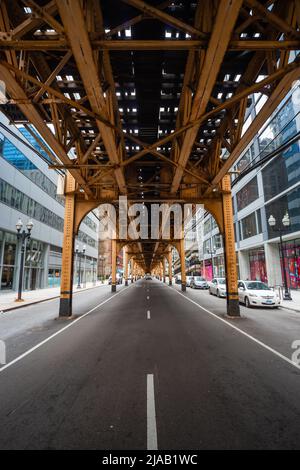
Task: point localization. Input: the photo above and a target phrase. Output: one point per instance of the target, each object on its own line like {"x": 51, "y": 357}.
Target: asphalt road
{"x": 149, "y": 368}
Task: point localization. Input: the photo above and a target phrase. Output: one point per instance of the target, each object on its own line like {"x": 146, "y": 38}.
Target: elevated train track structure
{"x": 146, "y": 100}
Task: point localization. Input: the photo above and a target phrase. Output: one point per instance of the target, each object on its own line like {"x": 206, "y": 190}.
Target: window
{"x": 282, "y": 172}
{"x": 250, "y": 225}
{"x": 244, "y": 161}
{"x": 217, "y": 241}
{"x": 16, "y": 158}
{"x": 289, "y": 203}
{"x": 280, "y": 129}
{"x": 18, "y": 200}
{"x": 207, "y": 226}
{"x": 206, "y": 247}
{"x": 247, "y": 194}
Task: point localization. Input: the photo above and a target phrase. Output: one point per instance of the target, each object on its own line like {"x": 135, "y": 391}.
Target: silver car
{"x": 218, "y": 287}
{"x": 198, "y": 282}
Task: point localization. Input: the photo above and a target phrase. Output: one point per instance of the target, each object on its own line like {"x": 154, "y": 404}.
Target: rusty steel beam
{"x": 6, "y": 43}
{"x": 29, "y": 110}
{"x": 73, "y": 20}
{"x": 164, "y": 17}
{"x": 224, "y": 24}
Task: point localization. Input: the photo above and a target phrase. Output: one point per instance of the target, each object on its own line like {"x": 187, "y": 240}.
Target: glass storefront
{"x": 8, "y": 260}
{"x": 54, "y": 276}
{"x": 258, "y": 270}
{"x": 291, "y": 251}
{"x": 9, "y": 263}
{"x": 34, "y": 266}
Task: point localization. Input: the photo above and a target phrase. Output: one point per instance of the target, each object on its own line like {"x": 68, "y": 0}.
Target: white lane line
{"x": 148, "y": 315}
{"x": 26, "y": 353}
{"x": 151, "y": 415}
{"x": 148, "y": 297}
{"x": 257, "y": 341}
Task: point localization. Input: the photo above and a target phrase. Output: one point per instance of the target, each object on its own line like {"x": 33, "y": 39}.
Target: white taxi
{"x": 257, "y": 293}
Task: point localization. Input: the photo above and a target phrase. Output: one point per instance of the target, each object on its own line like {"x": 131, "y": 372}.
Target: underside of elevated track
{"x": 146, "y": 100}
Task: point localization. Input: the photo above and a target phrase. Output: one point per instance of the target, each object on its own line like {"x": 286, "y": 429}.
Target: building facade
{"x": 28, "y": 191}
{"x": 270, "y": 186}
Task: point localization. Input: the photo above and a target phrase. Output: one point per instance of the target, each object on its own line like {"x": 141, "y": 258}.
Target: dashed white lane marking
{"x": 26, "y": 353}
{"x": 148, "y": 297}
{"x": 151, "y": 415}
{"x": 148, "y": 315}
{"x": 257, "y": 341}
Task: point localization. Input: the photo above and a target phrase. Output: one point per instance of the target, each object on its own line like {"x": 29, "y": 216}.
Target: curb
{"x": 290, "y": 308}
{"x": 8, "y": 309}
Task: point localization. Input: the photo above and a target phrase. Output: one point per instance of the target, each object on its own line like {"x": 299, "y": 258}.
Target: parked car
{"x": 177, "y": 280}
{"x": 218, "y": 287}
{"x": 257, "y": 293}
{"x": 188, "y": 281}
{"x": 199, "y": 282}
{"x": 119, "y": 279}
{"x": 148, "y": 277}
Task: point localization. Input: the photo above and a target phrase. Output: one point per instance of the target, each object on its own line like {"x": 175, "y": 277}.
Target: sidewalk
{"x": 293, "y": 304}
{"x": 7, "y": 299}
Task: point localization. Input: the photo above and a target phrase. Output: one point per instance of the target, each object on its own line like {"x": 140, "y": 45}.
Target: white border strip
{"x": 151, "y": 415}
{"x": 26, "y": 353}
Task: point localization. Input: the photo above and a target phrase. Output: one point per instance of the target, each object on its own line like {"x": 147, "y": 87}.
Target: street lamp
{"x": 212, "y": 253}
{"x": 79, "y": 254}
{"x": 84, "y": 265}
{"x": 94, "y": 272}
{"x": 23, "y": 236}
{"x": 286, "y": 223}
{"x": 102, "y": 258}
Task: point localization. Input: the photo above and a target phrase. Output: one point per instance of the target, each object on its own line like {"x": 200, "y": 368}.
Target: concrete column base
{"x": 183, "y": 287}
{"x": 170, "y": 283}
{"x": 164, "y": 280}
{"x": 233, "y": 308}
{"x": 126, "y": 282}
{"x": 131, "y": 280}
{"x": 113, "y": 287}
{"x": 65, "y": 307}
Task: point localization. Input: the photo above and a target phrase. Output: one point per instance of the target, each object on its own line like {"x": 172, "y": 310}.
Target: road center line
{"x": 257, "y": 341}
{"x": 151, "y": 415}
{"x": 26, "y": 353}
{"x": 148, "y": 315}
{"x": 148, "y": 297}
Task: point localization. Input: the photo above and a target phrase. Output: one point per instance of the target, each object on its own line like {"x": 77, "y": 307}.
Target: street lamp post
{"x": 84, "y": 266}
{"x": 94, "y": 272}
{"x": 286, "y": 223}
{"x": 102, "y": 258}
{"x": 79, "y": 254}
{"x": 23, "y": 236}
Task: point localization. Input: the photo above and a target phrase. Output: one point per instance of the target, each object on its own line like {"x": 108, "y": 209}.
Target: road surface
{"x": 148, "y": 368}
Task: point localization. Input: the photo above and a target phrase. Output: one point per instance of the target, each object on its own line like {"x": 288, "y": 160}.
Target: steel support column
{"x": 131, "y": 269}
{"x": 66, "y": 287}
{"x": 125, "y": 265}
{"x": 170, "y": 267}
{"x": 164, "y": 269}
{"x": 113, "y": 265}
{"x": 233, "y": 307}
{"x": 182, "y": 264}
